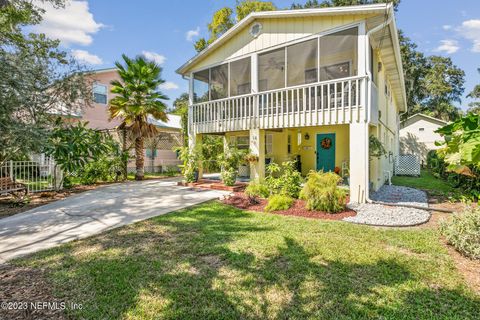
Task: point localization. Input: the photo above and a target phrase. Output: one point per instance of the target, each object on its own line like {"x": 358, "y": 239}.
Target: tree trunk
{"x": 124, "y": 150}
{"x": 139, "y": 158}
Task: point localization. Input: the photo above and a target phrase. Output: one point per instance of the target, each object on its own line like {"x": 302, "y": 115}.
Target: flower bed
{"x": 241, "y": 201}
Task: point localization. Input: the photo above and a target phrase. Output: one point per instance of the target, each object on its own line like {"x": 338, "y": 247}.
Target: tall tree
{"x": 37, "y": 81}
{"x": 223, "y": 19}
{"x": 475, "y": 94}
{"x": 338, "y": 3}
{"x": 138, "y": 98}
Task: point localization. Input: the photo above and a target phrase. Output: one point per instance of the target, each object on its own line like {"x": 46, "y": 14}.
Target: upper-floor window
{"x": 100, "y": 93}
{"x": 338, "y": 54}
{"x": 421, "y": 129}
{"x": 271, "y": 70}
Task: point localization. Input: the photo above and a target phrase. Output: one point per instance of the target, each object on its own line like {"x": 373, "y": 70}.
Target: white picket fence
{"x": 407, "y": 165}
{"x": 40, "y": 175}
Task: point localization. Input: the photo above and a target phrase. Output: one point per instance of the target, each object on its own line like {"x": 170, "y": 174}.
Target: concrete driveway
{"x": 92, "y": 212}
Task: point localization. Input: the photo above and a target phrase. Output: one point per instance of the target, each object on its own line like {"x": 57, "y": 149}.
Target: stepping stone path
{"x": 384, "y": 215}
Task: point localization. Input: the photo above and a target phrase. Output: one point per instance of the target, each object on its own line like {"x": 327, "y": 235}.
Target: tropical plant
{"x": 191, "y": 159}
{"x": 257, "y": 189}
{"x": 284, "y": 179}
{"x": 321, "y": 192}
{"x": 74, "y": 147}
{"x": 229, "y": 161}
{"x": 463, "y": 232}
{"x": 278, "y": 202}
{"x": 474, "y": 106}
{"x": 36, "y": 77}
{"x": 376, "y": 148}
{"x": 461, "y": 148}
{"x": 138, "y": 98}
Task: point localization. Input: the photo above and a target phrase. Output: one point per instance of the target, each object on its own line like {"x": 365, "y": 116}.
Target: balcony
{"x": 330, "y": 102}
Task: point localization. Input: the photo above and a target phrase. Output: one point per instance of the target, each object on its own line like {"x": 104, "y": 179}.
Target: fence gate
{"x": 39, "y": 175}
{"x": 407, "y": 165}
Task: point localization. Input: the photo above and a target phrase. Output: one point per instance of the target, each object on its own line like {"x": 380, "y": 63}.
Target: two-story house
{"x": 159, "y": 152}
{"x": 310, "y": 84}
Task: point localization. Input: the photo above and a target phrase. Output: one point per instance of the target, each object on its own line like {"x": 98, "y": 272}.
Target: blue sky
{"x": 100, "y": 31}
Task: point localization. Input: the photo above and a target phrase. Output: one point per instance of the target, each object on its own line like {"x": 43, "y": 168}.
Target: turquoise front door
{"x": 326, "y": 151}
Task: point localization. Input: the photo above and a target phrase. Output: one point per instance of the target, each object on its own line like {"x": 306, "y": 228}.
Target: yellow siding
{"x": 274, "y": 32}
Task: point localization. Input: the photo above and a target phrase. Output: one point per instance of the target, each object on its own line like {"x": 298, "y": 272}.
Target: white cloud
{"x": 73, "y": 24}
{"x": 448, "y": 46}
{"x": 168, "y": 86}
{"x": 153, "y": 56}
{"x": 87, "y": 57}
{"x": 446, "y": 27}
{"x": 470, "y": 29}
{"x": 192, "y": 34}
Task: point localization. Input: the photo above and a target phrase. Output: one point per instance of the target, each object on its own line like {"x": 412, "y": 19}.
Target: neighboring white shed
{"x": 417, "y": 135}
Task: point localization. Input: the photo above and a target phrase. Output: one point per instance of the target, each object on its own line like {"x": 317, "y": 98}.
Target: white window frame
{"x": 106, "y": 92}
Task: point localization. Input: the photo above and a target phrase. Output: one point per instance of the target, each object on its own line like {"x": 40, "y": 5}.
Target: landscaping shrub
{"x": 229, "y": 161}
{"x": 284, "y": 179}
{"x": 257, "y": 189}
{"x": 463, "y": 232}
{"x": 279, "y": 202}
{"x": 321, "y": 192}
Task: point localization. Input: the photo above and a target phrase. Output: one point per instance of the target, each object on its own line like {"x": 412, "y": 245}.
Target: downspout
{"x": 367, "y": 60}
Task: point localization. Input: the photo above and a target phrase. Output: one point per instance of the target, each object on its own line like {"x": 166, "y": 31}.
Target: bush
{"x": 279, "y": 202}
{"x": 231, "y": 158}
{"x": 463, "y": 232}
{"x": 322, "y": 193}
{"x": 229, "y": 176}
{"x": 257, "y": 189}
{"x": 289, "y": 180}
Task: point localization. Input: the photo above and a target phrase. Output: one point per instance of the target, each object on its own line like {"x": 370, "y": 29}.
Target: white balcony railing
{"x": 322, "y": 103}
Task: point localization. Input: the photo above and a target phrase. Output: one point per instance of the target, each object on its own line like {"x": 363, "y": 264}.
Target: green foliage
{"x": 107, "y": 168}
{"x": 463, "y": 232}
{"x": 73, "y": 147}
{"x": 321, "y": 192}
{"x": 257, "y": 189}
{"x": 212, "y": 148}
{"x": 190, "y": 158}
{"x": 222, "y": 19}
{"x": 137, "y": 97}
{"x": 462, "y": 144}
{"x": 36, "y": 77}
{"x": 229, "y": 161}
{"x": 180, "y": 108}
{"x": 337, "y": 3}
{"x": 278, "y": 202}
{"x": 376, "y": 148}
{"x": 475, "y": 95}
{"x": 284, "y": 179}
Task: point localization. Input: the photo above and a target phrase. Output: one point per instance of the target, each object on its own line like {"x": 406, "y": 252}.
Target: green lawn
{"x": 426, "y": 181}
{"x": 216, "y": 262}
{"x": 149, "y": 175}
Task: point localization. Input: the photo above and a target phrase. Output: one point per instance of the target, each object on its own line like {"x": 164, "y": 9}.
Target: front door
{"x": 326, "y": 151}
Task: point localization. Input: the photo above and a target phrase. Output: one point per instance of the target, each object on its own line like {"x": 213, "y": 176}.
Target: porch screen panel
{"x": 240, "y": 77}
{"x": 200, "y": 86}
{"x": 338, "y": 55}
{"x": 302, "y": 63}
{"x": 271, "y": 70}
{"x": 219, "y": 82}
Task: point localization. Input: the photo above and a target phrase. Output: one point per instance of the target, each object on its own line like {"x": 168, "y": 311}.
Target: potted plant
{"x": 229, "y": 161}
{"x": 251, "y": 158}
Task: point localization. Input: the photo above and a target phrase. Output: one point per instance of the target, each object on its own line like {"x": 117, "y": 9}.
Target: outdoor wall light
{"x": 307, "y": 136}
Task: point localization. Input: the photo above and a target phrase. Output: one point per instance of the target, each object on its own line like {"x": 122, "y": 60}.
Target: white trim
{"x": 362, "y": 9}
{"x": 424, "y": 116}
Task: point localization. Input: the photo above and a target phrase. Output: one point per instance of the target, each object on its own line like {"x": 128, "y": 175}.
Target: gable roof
{"x": 413, "y": 119}
{"x": 330, "y": 11}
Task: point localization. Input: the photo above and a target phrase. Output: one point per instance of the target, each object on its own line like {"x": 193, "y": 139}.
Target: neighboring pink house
{"x": 159, "y": 154}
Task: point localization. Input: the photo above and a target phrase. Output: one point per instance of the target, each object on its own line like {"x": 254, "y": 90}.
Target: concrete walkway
{"x": 92, "y": 212}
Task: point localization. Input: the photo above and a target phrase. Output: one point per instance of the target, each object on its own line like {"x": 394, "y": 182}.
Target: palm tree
{"x": 138, "y": 98}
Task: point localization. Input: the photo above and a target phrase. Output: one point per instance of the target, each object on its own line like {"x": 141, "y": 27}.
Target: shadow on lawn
{"x": 181, "y": 267}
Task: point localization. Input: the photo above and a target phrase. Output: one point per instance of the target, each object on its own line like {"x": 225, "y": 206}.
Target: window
{"x": 241, "y": 142}
{"x": 268, "y": 144}
{"x": 271, "y": 70}
{"x": 100, "y": 93}
{"x": 338, "y": 54}
{"x": 289, "y": 144}
{"x": 240, "y": 75}
{"x": 200, "y": 86}
{"x": 302, "y": 63}
{"x": 421, "y": 129}
{"x": 219, "y": 82}
{"x": 149, "y": 153}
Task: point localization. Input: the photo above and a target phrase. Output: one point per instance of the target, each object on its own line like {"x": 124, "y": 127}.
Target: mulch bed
{"x": 241, "y": 201}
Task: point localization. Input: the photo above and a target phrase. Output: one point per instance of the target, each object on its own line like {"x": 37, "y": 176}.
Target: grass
{"x": 214, "y": 261}
{"x": 427, "y": 181}
{"x": 153, "y": 175}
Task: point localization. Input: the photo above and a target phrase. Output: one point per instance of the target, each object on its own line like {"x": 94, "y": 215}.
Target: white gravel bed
{"x": 384, "y": 215}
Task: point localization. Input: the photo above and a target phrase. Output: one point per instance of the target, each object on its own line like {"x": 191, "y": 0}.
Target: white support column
{"x": 254, "y": 73}
{"x": 257, "y": 147}
{"x": 359, "y": 162}
{"x": 190, "y": 90}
